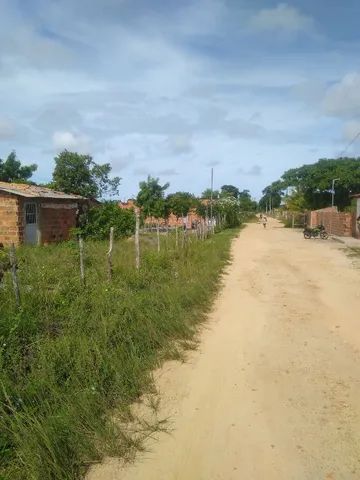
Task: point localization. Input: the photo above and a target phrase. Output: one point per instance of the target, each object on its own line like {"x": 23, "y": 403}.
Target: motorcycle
{"x": 316, "y": 232}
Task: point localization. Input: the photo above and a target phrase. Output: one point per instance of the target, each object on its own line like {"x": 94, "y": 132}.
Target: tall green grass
{"x": 71, "y": 356}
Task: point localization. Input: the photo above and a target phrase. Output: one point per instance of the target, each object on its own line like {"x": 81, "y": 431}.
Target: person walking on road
{"x": 264, "y": 221}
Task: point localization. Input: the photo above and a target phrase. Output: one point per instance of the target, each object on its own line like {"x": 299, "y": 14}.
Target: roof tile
{"x": 34, "y": 191}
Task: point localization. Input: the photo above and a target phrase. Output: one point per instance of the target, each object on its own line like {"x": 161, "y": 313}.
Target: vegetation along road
{"x": 272, "y": 392}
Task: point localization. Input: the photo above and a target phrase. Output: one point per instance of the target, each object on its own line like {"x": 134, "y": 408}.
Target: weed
{"x": 353, "y": 252}
{"x": 71, "y": 355}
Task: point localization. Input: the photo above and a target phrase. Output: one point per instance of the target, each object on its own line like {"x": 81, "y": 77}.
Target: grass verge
{"x": 72, "y": 354}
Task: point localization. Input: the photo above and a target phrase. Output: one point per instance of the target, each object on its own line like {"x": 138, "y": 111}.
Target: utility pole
{"x": 333, "y": 191}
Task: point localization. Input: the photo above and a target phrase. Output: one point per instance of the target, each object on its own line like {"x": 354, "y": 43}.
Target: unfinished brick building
{"x": 343, "y": 224}
{"x": 172, "y": 221}
{"x": 36, "y": 215}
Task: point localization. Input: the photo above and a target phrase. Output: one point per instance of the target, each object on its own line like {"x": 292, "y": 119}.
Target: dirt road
{"x": 273, "y": 393}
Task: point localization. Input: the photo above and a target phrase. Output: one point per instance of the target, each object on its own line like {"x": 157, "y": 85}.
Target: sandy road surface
{"x": 274, "y": 391}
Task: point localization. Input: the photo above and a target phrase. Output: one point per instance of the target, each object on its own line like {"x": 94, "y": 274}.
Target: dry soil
{"x": 273, "y": 392}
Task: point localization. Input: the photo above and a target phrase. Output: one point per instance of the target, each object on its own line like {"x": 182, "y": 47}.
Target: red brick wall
{"x": 56, "y": 223}
{"x": 128, "y": 204}
{"x": 10, "y": 219}
{"x": 336, "y": 223}
{"x": 172, "y": 221}
{"x": 356, "y": 226}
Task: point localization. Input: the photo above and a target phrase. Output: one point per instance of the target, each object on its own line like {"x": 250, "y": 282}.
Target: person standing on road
{"x": 264, "y": 221}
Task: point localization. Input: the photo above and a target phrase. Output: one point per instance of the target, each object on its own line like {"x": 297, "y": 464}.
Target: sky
{"x": 174, "y": 88}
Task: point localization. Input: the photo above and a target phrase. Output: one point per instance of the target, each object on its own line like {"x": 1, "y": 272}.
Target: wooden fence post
{"x": 166, "y": 236}
{"x": 15, "y": 280}
{"x": 137, "y": 238}
{"x": 158, "y": 236}
{"x": 82, "y": 268}
{"x": 109, "y": 254}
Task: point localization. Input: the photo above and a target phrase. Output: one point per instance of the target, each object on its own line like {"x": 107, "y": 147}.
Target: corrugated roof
{"x": 34, "y": 191}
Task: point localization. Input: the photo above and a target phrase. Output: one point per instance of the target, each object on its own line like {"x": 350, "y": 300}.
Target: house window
{"x": 30, "y": 213}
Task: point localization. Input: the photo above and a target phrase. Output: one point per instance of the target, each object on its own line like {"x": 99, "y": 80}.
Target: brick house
{"x": 36, "y": 215}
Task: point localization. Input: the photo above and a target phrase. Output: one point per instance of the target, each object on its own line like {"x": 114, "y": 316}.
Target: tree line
{"x": 80, "y": 174}
{"x": 309, "y": 187}
{"x": 73, "y": 173}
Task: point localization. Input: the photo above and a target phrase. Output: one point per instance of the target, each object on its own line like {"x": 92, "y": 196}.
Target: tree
{"x": 268, "y": 200}
{"x": 79, "y": 174}
{"x": 312, "y": 184}
{"x": 180, "y": 203}
{"x": 314, "y": 181}
{"x": 11, "y": 169}
{"x": 228, "y": 208}
{"x": 99, "y": 220}
{"x": 272, "y": 195}
{"x": 151, "y": 197}
{"x": 202, "y": 209}
{"x": 207, "y": 194}
{"x": 245, "y": 201}
{"x": 229, "y": 191}
{"x": 295, "y": 202}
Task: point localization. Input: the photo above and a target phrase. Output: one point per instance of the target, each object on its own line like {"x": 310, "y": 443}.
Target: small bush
{"x": 99, "y": 219}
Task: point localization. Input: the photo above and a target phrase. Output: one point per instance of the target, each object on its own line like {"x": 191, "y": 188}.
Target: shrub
{"x": 99, "y": 220}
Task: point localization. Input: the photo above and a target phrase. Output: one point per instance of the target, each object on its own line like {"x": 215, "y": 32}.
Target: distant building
{"x": 190, "y": 220}
{"x": 37, "y": 215}
{"x": 128, "y": 205}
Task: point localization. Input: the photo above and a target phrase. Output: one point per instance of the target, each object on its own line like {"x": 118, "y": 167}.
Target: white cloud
{"x": 351, "y": 129}
{"x": 7, "y": 129}
{"x": 254, "y": 171}
{"x": 121, "y": 162}
{"x": 310, "y": 91}
{"x": 167, "y": 172}
{"x": 180, "y": 144}
{"x": 283, "y": 17}
{"x": 201, "y": 17}
{"x": 148, "y": 87}
{"x": 142, "y": 171}
{"x": 343, "y": 98}
{"x": 71, "y": 141}
{"x": 213, "y": 163}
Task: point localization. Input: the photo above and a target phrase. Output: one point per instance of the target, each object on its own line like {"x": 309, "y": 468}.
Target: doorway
{"x": 31, "y": 236}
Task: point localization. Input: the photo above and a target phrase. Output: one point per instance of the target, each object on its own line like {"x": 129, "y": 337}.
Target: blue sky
{"x": 171, "y": 89}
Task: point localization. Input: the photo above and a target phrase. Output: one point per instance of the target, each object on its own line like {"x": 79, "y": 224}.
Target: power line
{"x": 349, "y": 144}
